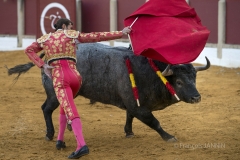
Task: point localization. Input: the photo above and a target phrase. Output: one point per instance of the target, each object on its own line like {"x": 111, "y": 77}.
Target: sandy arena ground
{"x": 207, "y": 130}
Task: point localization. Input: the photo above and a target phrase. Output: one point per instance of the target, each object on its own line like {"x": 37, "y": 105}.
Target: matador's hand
{"x": 48, "y": 70}
{"x": 126, "y": 30}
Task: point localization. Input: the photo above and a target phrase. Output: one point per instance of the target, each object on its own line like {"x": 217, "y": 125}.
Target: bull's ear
{"x": 202, "y": 68}
{"x": 167, "y": 71}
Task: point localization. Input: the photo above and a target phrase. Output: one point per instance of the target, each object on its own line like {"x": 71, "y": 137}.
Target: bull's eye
{"x": 179, "y": 83}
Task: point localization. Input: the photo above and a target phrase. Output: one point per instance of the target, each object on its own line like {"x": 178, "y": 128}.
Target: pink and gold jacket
{"x": 62, "y": 44}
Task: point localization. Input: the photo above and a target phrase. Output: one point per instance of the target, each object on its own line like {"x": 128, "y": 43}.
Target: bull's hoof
{"x": 173, "y": 139}
{"x": 60, "y": 144}
{"x": 129, "y": 135}
{"x": 48, "y": 138}
{"x": 168, "y": 137}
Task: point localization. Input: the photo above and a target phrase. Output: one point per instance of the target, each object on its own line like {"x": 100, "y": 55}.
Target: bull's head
{"x": 183, "y": 79}
{"x": 169, "y": 72}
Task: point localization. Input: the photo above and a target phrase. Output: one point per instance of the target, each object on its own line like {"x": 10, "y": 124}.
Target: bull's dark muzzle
{"x": 196, "y": 99}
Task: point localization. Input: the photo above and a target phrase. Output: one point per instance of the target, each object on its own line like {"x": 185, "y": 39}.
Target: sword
{"x": 129, "y": 35}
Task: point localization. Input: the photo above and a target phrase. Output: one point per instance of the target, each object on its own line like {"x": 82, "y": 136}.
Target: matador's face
{"x": 68, "y": 27}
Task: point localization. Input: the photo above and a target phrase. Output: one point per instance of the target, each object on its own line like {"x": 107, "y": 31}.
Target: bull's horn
{"x": 202, "y": 68}
{"x": 167, "y": 71}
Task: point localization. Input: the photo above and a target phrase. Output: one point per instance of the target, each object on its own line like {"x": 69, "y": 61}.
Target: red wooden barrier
{"x": 8, "y": 16}
{"x": 30, "y": 17}
{"x": 233, "y": 22}
{"x": 207, "y": 10}
{"x": 95, "y": 16}
{"x": 40, "y": 16}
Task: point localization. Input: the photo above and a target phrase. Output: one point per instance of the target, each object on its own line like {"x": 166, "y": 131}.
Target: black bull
{"x": 106, "y": 80}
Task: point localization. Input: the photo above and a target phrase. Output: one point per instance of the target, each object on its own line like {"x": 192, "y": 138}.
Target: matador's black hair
{"x": 62, "y": 21}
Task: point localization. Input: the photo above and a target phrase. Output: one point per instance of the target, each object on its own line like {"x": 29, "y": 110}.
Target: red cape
{"x": 168, "y": 31}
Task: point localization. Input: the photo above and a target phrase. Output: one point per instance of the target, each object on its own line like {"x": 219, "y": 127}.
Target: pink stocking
{"x": 62, "y": 126}
{"x": 77, "y": 129}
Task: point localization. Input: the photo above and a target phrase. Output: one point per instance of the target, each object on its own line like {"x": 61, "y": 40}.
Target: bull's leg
{"x": 48, "y": 107}
{"x": 128, "y": 125}
{"x": 146, "y": 116}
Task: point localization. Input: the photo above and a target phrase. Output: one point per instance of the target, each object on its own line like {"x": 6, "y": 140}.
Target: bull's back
{"x": 103, "y": 71}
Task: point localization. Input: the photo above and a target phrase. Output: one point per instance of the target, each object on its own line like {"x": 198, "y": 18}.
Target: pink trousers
{"x": 66, "y": 82}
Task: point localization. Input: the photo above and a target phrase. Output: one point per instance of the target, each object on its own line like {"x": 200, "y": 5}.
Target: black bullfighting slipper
{"x": 79, "y": 153}
{"x": 60, "y": 144}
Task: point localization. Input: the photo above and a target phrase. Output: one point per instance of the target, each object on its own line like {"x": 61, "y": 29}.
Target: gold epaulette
{"x": 71, "y": 33}
{"x": 43, "y": 38}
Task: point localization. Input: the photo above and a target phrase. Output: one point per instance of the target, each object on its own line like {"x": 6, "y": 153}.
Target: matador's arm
{"x": 32, "y": 51}
{"x": 99, "y": 36}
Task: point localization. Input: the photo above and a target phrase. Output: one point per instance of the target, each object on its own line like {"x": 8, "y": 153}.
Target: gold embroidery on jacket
{"x": 43, "y": 38}
{"x": 57, "y": 34}
{"x": 71, "y": 33}
{"x": 60, "y": 55}
{"x": 60, "y": 46}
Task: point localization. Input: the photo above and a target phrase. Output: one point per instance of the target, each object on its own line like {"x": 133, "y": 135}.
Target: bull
{"x": 105, "y": 79}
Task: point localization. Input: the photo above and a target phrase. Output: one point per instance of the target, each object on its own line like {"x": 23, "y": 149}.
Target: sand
{"x": 207, "y": 130}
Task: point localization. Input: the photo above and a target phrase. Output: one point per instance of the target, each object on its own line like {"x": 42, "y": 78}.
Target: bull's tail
{"x": 21, "y": 68}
